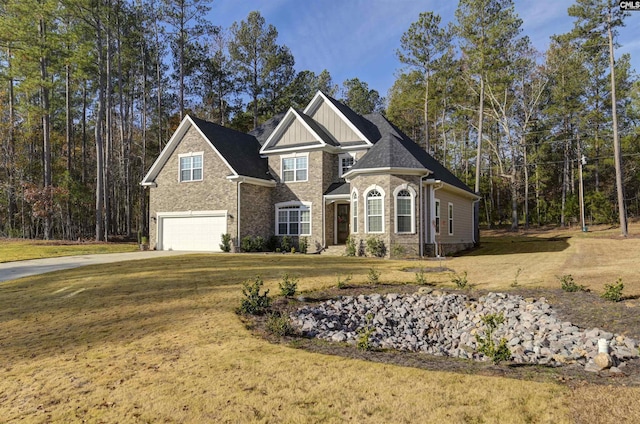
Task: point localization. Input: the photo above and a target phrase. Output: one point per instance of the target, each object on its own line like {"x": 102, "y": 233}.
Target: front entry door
{"x": 343, "y": 222}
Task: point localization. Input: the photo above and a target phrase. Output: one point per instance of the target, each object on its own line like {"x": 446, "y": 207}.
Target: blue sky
{"x": 359, "y": 38}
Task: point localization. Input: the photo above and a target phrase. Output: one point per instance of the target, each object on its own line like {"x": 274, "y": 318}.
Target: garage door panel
{"x": 192, "y": 233}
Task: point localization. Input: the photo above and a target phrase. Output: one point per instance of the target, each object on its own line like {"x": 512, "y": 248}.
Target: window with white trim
{"x": 404, "y": 212}
{"x": 347, "y": 160}
{"x": 436, "y": 218}
{"x": 375, "y": 211}
{"x": 450, "y": 212}
{"x": 190, "y": 167}
{"x": 295, "y": 168}
{"x": 293, "y": 220}
{"x": 354, "y": 212}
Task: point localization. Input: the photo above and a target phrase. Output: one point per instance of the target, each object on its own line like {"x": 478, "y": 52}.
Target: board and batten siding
{"x": 296, "y": 133}
{"x": 334, "y": 125}
{"x": 462, "y": 217}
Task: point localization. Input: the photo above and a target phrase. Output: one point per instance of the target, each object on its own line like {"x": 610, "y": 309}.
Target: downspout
{"x": 324, "y": 206}
{"x": 239, "y": 191}
{"x": 422, "y": 216}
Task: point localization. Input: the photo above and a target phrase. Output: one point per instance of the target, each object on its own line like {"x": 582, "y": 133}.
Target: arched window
{"x": 354, "y": 212}
{"x": 404, "y": 212}
{"x": 375, "y": 211}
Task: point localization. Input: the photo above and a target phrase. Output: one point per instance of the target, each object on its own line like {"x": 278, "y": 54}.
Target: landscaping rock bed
{"x": 446, "y": 325}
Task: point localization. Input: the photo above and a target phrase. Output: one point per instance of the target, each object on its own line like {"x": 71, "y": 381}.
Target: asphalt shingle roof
{"x": 240, "y": 150}
{"x": 340, "y": 187}
{"x": 368, "y": 129}
{"x": 262, "y": 132}
{"x": 396, "y": 150}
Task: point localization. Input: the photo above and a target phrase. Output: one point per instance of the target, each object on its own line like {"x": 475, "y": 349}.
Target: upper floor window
{"x": 190, "y": 167}
{"x": 295, "y": 168}
{"x": 346, "y": 162}
{"x": 404, "y": 211}
{"x": 374, "y": 211}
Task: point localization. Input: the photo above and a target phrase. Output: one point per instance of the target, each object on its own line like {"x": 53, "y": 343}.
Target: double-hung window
{"x": 295, "y": 168}
{"x": 354, "y": 212}
{"x": 293, "y": 220}
{"x": 404, "y": 212}
{"x": 450, "y": 219}
{"x": 375, "y": 211}
{"x": 190, "y": 167}
{"x": 436, "y": 218}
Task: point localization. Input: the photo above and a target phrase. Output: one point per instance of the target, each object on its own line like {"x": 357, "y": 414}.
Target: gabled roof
{"x": 357, "y": 123}
{"x": 292, "y": 115}
{"x": 263, "y": 131}
{"x": 395, "y": 150}
{"x": 239, "y": 151}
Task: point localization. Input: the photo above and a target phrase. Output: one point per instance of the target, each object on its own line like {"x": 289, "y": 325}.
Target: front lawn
{"x": 159, "y": 341}
{"x": 20, "y": 249}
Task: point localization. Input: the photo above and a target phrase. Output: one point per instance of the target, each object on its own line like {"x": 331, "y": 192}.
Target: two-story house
{"x": 323, "y": 173}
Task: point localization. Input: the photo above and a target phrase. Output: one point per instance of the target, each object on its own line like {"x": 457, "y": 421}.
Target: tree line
{"x": 525, "y": 127}
{"x": 91, "y": 90}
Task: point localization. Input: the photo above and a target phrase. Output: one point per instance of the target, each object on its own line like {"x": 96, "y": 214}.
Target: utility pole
{"x": 581, "y": 161}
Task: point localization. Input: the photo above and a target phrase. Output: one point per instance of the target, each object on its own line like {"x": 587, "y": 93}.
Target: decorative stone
{"x": 603, "y": 360}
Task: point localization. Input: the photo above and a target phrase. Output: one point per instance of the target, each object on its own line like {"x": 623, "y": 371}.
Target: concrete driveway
{"x": 19, "y": 269}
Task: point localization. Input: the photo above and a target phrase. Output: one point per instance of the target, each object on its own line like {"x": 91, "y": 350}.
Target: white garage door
{"x": 195, "y": 233}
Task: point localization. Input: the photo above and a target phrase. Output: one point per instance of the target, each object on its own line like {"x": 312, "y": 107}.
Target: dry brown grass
{"x": 20, "y": 249}
{"x": 158, "y": 341}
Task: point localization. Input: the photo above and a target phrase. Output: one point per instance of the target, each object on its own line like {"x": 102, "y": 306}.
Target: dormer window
{"x": 346, "y": 162}
{"x": 190, "y": 167}
{"x": 294, "y": 168}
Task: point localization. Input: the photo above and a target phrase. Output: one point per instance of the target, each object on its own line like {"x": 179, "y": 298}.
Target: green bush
{"x": 279, "y": 324}
{"x": 373, "y": 276}
{"x": 421, "y": 277}
{"x": 272, "y": 244}
{"x": 246, "y": 244}
{"x": 303, "y": 245}
{"x": 342, "y": 283}
{"x": 225, "y": 246}
{"x": 487, "y": 346}
{"x": 285, "y": 243}
{"x": 350, "y": 249}
{"x": 364, "y": 341}
{"x": 460, "y": 280}
{"x": 258, "y": 244}
{"x": 375, "y": 247}
{"x": 254, "y": 303}
{"x": 569, "y": 285}
{"x": 288, "y": 286}
{"x": 613, "y": 292}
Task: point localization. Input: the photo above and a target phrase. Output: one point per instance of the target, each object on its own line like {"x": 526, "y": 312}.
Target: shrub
{"x": 288, "y": 286}
{"x": 613, "y": 292}
{"x": 342, "y": 283}
{"x": 285, "y": 243}
{"x": 258, "y": 244}
{"x": 271, "y": 244}
{"x": 254, "y": 303}
{"x": 303, "y": 245}
{"x": 375, "y": 247}
{"x": 225, "y": 246}
{"x": 364, "y": 341}
{"x": 487, "y": 346}
{"x": 460, "y": 280}
{"x": 398, "y": 250}
{"x": 350, "y": 249}
{"x": 421, "y": 277}
{"x": 569, "y": 285}
{"x": 246, "y": 244}
{"x": 279, "y": 324}
{"x": 373, "y": 276}
{"x": 514, "y": 283}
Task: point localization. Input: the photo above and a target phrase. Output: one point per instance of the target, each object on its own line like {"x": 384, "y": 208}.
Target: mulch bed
{"x": 584, "y": 309}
